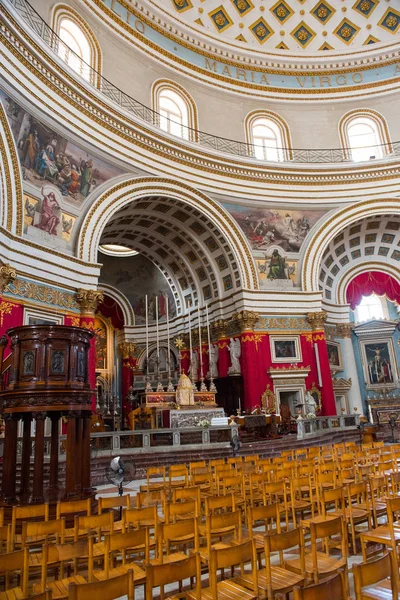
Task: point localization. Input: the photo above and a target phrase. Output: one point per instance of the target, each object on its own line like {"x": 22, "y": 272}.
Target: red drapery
{"x": 110, "y": 308}
{"x": 373, "y": 282}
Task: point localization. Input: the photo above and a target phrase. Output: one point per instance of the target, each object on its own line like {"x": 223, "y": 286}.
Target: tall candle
{"x": 158, "y": 340}
{"x": 190, "y": 343}
{"x": 147, "y": 335}
{"x": 168, "y": 359}
{"x": 209, "y": 341}
{"x": 200, "y": 352}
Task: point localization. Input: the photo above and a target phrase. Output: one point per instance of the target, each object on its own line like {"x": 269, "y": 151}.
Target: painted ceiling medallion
{"x": 220, "y": 18}
{"x": 390, "y": 20}
{"x": 261, "y": 30}
{"x": 243, "y": 6}
{"x": 365, "y": 7}
{"x": 282, "y": 11}
{"x": 323, "y": 12}
{"x": 346, "y": 31}
{"x": 303, "y": 34}
{"x": 182, "y": 5}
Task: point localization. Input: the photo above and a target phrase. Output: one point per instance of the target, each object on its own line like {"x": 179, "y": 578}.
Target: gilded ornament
{"x": 344, "y": 330}
{"x": 127, "y": 349}
{"x": 345, "y": 32}
{"x": 242, "y": 5}
{"x": 322, "y": 12}
{"x": 220, "y": 328}
{"x": 7, "y": 275}
{"x": 302, "y": 35}
{"x": 89, "y": 300}
{"x": 246, "y": 319}
{"x": 220, "y": 20}
{"x": 317, "y": 320}
{"x": 281, "y": 12}
{"x": 180, "y": 3}
{"x": 391, "y": 21}
{"x": 365, "y": 6}
{"x": 179, "y": 343}
{"x": 261, "y": 31}
{"x": 6, "y": 308}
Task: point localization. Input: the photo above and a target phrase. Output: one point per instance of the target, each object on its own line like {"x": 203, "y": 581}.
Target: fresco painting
{"x": 46, "y": 156}
{"x": 275, "y": 266}
{"x": 264, "y": 227}
{"x": 379, "y": 363}
{"x": 47, "y": 215}
{"x": 136, "y": 277}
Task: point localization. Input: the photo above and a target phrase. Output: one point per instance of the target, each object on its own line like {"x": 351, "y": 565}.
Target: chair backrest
{"x": 373, "y": 571}
{"x": 5, "y": 538}
{"x": 15, "y": 561}
{"x": 61, "y": 553}
{"x": 159, "y": 575}
{"x": 32, "y": 511}
{"x": 149, "y": 498}
{"x": 113, "y": 502}
{"x": 109, "y": 589}
{"x": 32, "y": 531}
{"x": 324, "y": 530}
{"x": 268, "y": 513}
{"x": 139, "y": 517}
{"x": 182, "y": 510}
{"x": 94, "y": 523}
{"x": 71, "y": 507}
{"x": 334, "y": 587}
{"x": 167, "y": 533}
{"x": 189, "y": 493}
{"x": 239, "y": 554}
{"x": 279, "y": 542}
{"x": 228, "y": 523}
{"x": 177, "y": 471}
{"x": 219, "y": 503}
{"x": 137, "y": 540}
{"x": 333, "y": 498}
{"x": 393, "y": 513}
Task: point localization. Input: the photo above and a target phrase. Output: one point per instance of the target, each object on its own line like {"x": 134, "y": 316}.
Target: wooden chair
{"x": 97, "y": 525}
{"x": 387, "y": 535}
{"x": 227, "y": 527}
{"x": 204, "y": 482}
{"x": 320, "y": 564}
{"x": 116, "y": 587}
{"x": 120, "y": 548}
{"x": 113, "y": 502}
{"x": 160, "y": 575}
{"x": 275, "y": 579}
{"x": 177, "y": 476}
{"x": 358, "y": 510}
{"x": 378, "y": 494}
{"x": 335, "y": 587}
{"x": 219, "y": 504}
{"x": 215, "y": 462}
{"x": 70, "y": 509}
{"x": 35, "y": 534}
{"x": 5, "y": 538}
{"x": 155, "y": 472}
{"x": 66, "y": 556}
{"x": 152, "y": 498}
{"x": 189, "y": 493}
{"x": 183, "y": 533}
{"x": 26, "y": 513}
{"x": 301, "y": 497}
{"x": 134, "y": 518}
{"x": 15, "y": 563}
{"x": 179, "y": 511}
{"x": 377, "y": 579}
{"x": 46, "y": 595}
{"x": 267, "y": 516}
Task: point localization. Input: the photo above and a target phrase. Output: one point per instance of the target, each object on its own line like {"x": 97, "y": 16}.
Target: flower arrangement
{"x": 311, "y": 416}
{"x": 204, "y": 423}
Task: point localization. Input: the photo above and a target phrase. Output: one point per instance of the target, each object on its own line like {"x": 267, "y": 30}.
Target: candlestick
{"x": 157, "y": 336}
{"x": 148, "y": 385}
{"x": 159, "y": 384}
{"x": 170, "y": 387}
{"x": 212, "y": 384}
{"x": 190, "y": 347}
{"x": 202, "y": 384}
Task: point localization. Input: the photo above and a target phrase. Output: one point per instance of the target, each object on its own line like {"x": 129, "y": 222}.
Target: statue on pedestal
{"x": 213, "y": 372}
{"x": 311, "y": 405}
{"x": 235, "y": 351}
{"x": 184, "y": 391}
{"x": 194, "y": 366}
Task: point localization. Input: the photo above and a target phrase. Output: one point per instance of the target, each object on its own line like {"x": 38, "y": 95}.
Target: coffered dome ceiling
{"x": 291, "y": 24}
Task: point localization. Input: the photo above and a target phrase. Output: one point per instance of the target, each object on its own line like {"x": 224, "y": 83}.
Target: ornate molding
{"x": 317, "y": 320}
{"x": 127, "y": 349}
{"x": 220, "y": 328}
{"x": 88, "y": 300}
{"x": 344, "y": 330}
{"x": 7, "y": 275}
{"x": 246, "y": 319}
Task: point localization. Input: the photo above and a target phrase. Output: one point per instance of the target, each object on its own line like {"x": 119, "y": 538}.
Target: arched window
{"x": 364, "y": 135}
{"x": 268, "y": 135}
{"x": 176, "y": 109}
{"x": 77, "y": 45}
{"x": 370, "y": 307}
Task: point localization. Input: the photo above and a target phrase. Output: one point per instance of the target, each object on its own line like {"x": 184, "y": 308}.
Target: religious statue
{"x": 311, "y": 405}
{"x": 184, "y": 391}
{"x": 235, "y": 351}
{"x": 213, "y": 372}
{"x": 194, "y": 366}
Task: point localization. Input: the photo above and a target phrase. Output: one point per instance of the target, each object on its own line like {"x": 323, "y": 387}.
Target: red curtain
{"x": 373, "y": 282}
{"x": 110, "y": 308}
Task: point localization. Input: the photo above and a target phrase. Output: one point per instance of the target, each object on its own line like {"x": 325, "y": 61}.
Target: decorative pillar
{"x": 55, "y": 422}
{"x": 38, "y": 465}
{"x": 10, "y": 457}
{"x": 344, "y": 331}
{"x": 70, "y": 464}
{"x": 26, "y": 454}
{"x": 127, "y": 350}
{"x": 88, "y": 301}
{"x": 219, "y": 330}
{"x": 246, "y": 320}
{"x": 317, "y": 320}
{"x": 86, "y": 485}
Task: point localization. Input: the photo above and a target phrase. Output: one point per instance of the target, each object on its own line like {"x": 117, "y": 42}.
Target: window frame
{"x": 166, "y": 85}
{"x": 275, "y": 122}
{"x": 378, "y": 124}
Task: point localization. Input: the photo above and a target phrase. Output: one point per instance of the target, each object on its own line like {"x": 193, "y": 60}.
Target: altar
{"x": 193, "y": 417}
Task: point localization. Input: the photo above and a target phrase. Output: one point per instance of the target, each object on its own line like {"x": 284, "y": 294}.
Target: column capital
{"x": 220, "y": 328}
{"x": 344, "y": 330}
{"x": 88, "y": 300}
{"x": 317, "y": 320}
{"x": 127, "y": 349}
{"x": 7, "y": 275}
{"x": 246, "y": 319}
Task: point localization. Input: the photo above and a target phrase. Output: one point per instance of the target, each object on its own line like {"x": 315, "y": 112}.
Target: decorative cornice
{"x": 220, "y": 328}
{"x": 88, "y": 300}
{"x": 317, "y": 320}
{"x": 7, "y": 275}
{"x": 246, "y": 319}
{"x": 344, "y": 330}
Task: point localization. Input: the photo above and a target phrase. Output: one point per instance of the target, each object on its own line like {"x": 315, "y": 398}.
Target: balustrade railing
{"x": 320, "y": 425}
{"x": 232, "y": 147}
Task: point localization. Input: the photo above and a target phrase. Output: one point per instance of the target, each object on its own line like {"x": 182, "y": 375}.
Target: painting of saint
{"x": 285, "y": 349}
{"x": 272, "y": 227}
{"x": 100, "y": 332}
{"x": 335, "y": 356}
{"x": 379, "y": 364}
{"x": 45, "y": 156}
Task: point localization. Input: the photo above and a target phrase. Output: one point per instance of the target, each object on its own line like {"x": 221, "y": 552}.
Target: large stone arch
{"x": 131, "y": 190}
{"x": 332, "y": 227}
{"x": 11, "y": 192}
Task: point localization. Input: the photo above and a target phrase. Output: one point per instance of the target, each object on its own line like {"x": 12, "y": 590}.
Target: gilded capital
{"x": 344, "y": 330}
{"x": 127, "y": 349}
{"x": 246, "y": 319}
{"x": 317, "y": 320}
{"x": 220, "y": 328}
{"x": 88, "y": 300}
{"x": 7, "y": 275}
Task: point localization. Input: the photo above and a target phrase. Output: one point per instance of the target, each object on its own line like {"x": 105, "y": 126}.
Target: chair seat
{"x": 282, "y": 580}
{"x": 205, "y": 552}
{"x": 326, "y": 564}
{"x": 139, "y": 575}
{"x": 227, "y": 590}
{"x": 13, "y": 594}
{"x": 381, "y": 535}
{"x": 60, "y": 587}
{"x": 170, "y": 558}
{"x": 379, "y": 591}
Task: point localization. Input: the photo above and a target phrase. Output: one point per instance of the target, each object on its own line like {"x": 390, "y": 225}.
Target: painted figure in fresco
{"x": 277, "y": 266}
{"x": 64, "y": 178}
{"x": 235, "y": 351}
{"x": 32, "y": 145}
{"x": 49, "y": 218}
{"x": 86, "y": 178}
